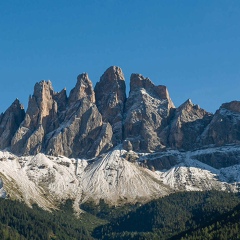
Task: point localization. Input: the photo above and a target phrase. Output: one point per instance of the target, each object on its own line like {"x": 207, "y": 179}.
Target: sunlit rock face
{"x": 56, "y": 124}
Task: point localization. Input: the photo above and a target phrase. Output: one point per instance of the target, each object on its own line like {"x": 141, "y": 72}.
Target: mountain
{"x": 98, "y": 144}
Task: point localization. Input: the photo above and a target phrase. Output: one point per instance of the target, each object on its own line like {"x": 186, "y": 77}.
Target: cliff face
{"x": 56, "y": 124}
{"x": 224, "y": 127}
{"x": 110, "y": 94}
{"x": 10, "y": 122}
{"x": 90, "y": 121}
{"x": 147, "y": 112}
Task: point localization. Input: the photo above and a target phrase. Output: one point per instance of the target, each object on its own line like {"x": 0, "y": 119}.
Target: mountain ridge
{"x": 97, "y": 143}
{"x": 102, "y": 117}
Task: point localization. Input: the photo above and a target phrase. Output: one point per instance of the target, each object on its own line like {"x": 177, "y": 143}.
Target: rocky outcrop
{"x": 10, "y": 121}
{"x": 41, "y": 117}
{"x": 219, "y": 159}
{"x": 3, "y": 193}
{"x": 187, "y": 124}
{"x": 110, "y": 99}
{"x": 147, "y": 112}
{"x": 82, "y": 132}
{"x": 82, "y": 89}
{"x": 224, "y": 127}
{"x": 56, "y": 124}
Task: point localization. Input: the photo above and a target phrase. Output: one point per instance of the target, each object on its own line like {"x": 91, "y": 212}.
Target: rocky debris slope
{"x": 117, "y": 180}
{"x": 48, "y": 180}
{"x": 118, "y": 177}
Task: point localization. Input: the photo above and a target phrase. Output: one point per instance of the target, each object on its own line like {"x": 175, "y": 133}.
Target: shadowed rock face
{"x": 147, "y": 112}
{"x": 110, "y": 99}
{"x": 90, "y": 122}
{"x": 10, "y": 121}
{"x": 224, "y": 127}
{"x": 185, "y": 127}
{"x": 41, "y": 117}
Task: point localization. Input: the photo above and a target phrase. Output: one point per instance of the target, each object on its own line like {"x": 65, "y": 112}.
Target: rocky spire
{"x": 110, "y": 94}
{"x": 82, "y": 89}
{"x": 41, "y": 117}
{"x": 82, "y": 132}
{"x": 9, "y": 123}
{"x": 137, "y": 81}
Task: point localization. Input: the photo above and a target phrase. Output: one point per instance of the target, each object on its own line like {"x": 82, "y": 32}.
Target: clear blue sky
{"x": 191, "y": 46}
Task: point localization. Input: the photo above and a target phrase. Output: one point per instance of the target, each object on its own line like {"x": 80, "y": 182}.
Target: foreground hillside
{"x": 166, "y": 218}
{"x": 226, "y": 226}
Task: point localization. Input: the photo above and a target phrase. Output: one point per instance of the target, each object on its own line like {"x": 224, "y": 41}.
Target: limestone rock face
{"x": 110, "y": 99}
{"x": 41, "y": 117}
{"x": 187, "y": 124}
{"x": 147, "y": 112}
{"x": 57, "y": 125}
{"x": 10, "y": 121}
{"x": 82, "y": 133}
{"x": 224, "y": 127}
{"x": 82, "y": 89}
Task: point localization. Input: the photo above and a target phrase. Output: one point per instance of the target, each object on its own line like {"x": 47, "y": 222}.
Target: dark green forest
{"x": 21, "y": 222}
{"x": 186, "y": 215}
{"x": 167, "y": 217}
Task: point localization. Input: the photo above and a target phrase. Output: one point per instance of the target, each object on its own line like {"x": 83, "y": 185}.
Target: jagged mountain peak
{"x": 110, "y": 99}
{"x": 113, "y": 73}
{"x": 189, "y": 112}
{"x": 83, "y": 88}
{"x": 42, "y": 87}
{"x": 232, "y": 106}
{"x": 17, "y": 102}
{"x": 187, "y": 103}
{"x": 138, "y": 82}
{"x": 10, "y": 121}
{"x": 103, "y": 117}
